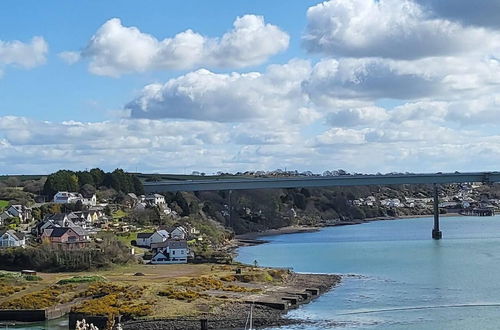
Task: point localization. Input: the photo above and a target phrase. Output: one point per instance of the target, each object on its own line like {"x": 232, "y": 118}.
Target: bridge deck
{"x": 305, "y": 182}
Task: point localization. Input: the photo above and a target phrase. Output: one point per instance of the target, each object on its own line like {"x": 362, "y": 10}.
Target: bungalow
{"x": 65, "y": 235}
{"x": 11, "y": 238}
{"x": 147, "y": 239}
{"x": 170, "y": 252}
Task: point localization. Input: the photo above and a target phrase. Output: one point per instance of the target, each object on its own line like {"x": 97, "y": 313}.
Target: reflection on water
{"x": 408, "y": 280}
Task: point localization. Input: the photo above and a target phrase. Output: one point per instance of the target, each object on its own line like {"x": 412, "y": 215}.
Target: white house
{"x": 170, "y": 252}
{"x": 155, "y": 199}
{"x": 11, "y": 238}
{"x": 65, "y": 197}
{"x": 148, "y": 239}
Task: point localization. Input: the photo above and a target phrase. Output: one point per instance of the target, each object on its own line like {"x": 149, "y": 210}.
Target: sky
{"x": 180, "y": 86}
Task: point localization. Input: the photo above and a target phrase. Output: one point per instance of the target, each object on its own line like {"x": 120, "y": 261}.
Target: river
{"x": 397, "y": 277}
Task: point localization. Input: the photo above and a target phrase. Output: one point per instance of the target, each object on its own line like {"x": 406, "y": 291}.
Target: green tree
{"x": 85, "y": 178}
{"x": 98, "y": 176}
{"x": 62, "y": 180}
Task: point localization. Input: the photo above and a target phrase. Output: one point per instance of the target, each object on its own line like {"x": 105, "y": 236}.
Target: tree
{"x": 62, "y": 180}
{"x": 85, "y": 178}
{"x": 98, "y": 176}
{"x": 13, "y": 181}
{"x": 87, "y": 190}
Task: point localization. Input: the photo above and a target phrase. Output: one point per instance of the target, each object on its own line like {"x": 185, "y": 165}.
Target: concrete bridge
{"x": 329, "y": 181}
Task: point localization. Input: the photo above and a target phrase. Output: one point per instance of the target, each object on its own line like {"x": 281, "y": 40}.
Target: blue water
{"x": 397, "y": 277}
{"x": 57, "y": 324}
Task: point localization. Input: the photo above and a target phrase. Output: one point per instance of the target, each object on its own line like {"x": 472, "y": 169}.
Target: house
{"x": 52, "y": 220}
{"x": 83, "y": 219}
{"x": 130, "y": 200}
{"x": 4, "y": 216}
{"x": 147, "y": 239}
{"x": 170, "y": 252}
{"x": 155, "y": 199}
{"x": 178, "y": 232}
{"x": 65, "y": 235}
{"x": 11, "y": 238}
{"x": 20, "y": 211}
{"x": 65, "y": 197}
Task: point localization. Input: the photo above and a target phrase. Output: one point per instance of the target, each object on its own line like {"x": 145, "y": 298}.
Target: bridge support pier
{"x": 436, "y": 233}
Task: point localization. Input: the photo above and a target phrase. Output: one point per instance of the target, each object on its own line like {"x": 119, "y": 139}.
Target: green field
{"x": 3, "y": 204}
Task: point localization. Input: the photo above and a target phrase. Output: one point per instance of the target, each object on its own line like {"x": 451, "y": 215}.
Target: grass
{"x": 164, "y": 290}
{"x": 127, "y": 238}
{"x": 3, "y": 204}
{"x": 81, "y": 279}
{"x": 118, "y": 215}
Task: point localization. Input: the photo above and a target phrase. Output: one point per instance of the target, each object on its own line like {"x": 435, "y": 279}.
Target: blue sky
{"x": 59, "y": 92}
{"x": 175, "y": 86}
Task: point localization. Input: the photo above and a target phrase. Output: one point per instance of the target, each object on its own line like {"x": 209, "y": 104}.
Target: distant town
{"x": 99, "y": 248}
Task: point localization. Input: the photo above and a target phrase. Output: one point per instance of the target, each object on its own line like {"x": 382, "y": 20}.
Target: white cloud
{"x": 364, "y": 116}
{"x": 70, "y": 57}
{"x": 398, "y": 29}
{"x": 116, "y": 49}
{"x": 204, "y": 95}
{"x": 368, "y": 79}
{"x": 25, "y": 55}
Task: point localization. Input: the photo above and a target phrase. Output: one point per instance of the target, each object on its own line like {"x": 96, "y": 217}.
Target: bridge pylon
{"x": 436, "y": 233}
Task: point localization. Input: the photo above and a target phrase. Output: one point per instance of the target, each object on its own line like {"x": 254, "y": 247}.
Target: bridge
{"x": 328, "y": 181}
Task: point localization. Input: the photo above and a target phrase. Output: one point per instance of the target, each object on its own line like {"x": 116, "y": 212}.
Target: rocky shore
{"x": 234, "y": 314}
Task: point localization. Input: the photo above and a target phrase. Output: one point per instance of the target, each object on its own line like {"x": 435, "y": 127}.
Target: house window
{"x": 173, "y": 252}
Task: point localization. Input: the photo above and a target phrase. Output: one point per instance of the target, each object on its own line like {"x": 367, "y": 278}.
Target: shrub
{"x": 7, "y": 290}
{"x": 181, "y": 294}
{"x": 32, "y": 278}
{"x": 81, "y": 279}
{"x": 48, "y": 297}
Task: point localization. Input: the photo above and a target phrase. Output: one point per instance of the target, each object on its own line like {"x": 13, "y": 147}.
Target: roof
{"x": 144, "y": 235}
{"x": 163, "y": 233}
{"x": 56, "y": 216}
{"x": 172, "y": 244}
{"x": 17, "y": 235}
{"x": 60, "y": 231}
{"x": 57, "y": 231}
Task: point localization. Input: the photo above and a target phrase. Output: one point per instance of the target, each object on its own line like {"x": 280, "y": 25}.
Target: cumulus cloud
{"x": 25, "y": 55}
{"x": 204, "y": 95}
{"x": 369, "y": 79}
{"x": 399, "y": 29}
{"x": 116, "y": 49}
{"x": 358, "y": 116}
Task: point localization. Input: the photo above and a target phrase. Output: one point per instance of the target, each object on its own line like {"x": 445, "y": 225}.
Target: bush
{"x": 32, "y": 278}
{"x": 48, "y": 297}
{"x": 81, "y": 279}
